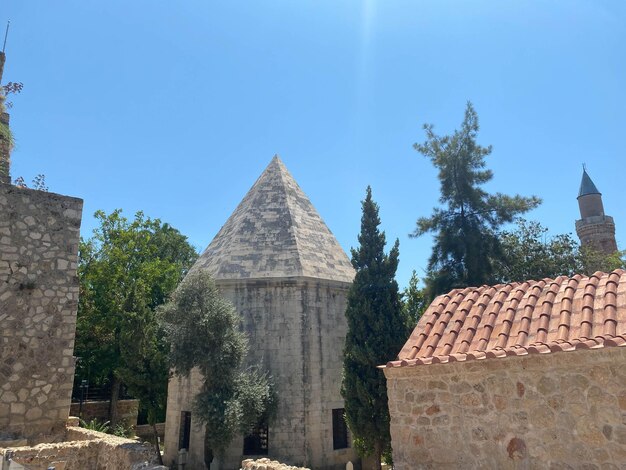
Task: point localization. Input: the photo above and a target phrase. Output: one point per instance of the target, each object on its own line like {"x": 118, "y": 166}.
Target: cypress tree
{"x": 377, "y": 329}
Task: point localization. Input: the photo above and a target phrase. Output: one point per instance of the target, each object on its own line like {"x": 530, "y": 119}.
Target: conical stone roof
{"x": 587, "y": 186}
{"x": 275, "y": 232}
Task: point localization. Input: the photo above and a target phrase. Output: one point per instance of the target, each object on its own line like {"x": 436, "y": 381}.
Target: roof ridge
{"x": 282, "y": 169}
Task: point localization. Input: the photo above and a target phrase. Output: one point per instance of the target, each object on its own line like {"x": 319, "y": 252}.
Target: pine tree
{"x": 466, "y": 229}
{"x": 414, "y": 301}
{"x": 377, "y": 329}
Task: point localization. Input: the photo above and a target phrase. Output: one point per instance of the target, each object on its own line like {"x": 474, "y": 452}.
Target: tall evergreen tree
{"x": 466, "y": 228}
{"x": 414, "y": 301}
{"x": 377, "y": 329}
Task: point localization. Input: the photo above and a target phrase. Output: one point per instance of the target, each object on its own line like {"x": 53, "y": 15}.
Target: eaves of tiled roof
{"x": 518, "y": 319}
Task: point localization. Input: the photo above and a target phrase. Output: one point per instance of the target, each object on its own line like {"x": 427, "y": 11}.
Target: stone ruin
{"x": 39, "y": 235}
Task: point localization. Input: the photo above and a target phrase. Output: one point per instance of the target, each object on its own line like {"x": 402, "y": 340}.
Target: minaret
{"x": 594, "y": 229}
{"x": 5, "y": 133}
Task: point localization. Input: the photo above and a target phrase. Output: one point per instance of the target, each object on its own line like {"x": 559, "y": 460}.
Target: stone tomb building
{"x": 282, "y": 268}
{"x": 518, "y": 376}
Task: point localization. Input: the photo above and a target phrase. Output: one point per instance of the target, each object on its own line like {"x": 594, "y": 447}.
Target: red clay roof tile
{"x": 534, "y": 317}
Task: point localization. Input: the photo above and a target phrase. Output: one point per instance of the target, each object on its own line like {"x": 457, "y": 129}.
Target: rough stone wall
{"x": 557, "y": 411}
{"x": 267, "y": 464}
{"x": 297, "y": 330}
{"x": 146, "y": 433}
{"x": 127, "y": 411}
{"x": 39, "y": 234}
{"x": 86, "y": 450}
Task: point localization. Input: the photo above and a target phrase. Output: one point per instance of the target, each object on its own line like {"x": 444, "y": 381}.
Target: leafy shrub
{"x": 96, "y": 425}
{"x": 122, "y": 430}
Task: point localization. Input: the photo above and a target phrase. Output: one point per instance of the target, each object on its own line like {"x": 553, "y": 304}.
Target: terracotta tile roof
{"x": 533, "y": 317}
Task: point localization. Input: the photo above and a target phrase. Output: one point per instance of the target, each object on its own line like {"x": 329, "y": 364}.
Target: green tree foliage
{"x": 466, "y": 228}
{"x": 204, "y": 332}
{"x": 414, "y": 300}
{"x": 530, "y": 253}
{"x": 377, "y": 330}
{"x": 591, "y": 260}
{"x": 127, "y": 269}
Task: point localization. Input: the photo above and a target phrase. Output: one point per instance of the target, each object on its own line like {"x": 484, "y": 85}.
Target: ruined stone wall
{"x": 39, "y": 234}
{"x": 297, "y": 331}
{"x": 127, "y": 411}
{"x": 558, "y": 410}
{"x": 146, "y": 433}
{"x": 267, "y": 464}
{"x": 84, "y": 450}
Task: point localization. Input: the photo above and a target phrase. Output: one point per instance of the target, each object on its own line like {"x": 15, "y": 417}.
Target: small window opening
{"x": 340, "y": 429}
{"x": 256, "y": 443}
{"x": 185, "y": 430}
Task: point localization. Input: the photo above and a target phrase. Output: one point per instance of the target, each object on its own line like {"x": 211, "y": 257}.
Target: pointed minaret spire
{"x": 595, "y": 229}
{"x": 586, "y": 185}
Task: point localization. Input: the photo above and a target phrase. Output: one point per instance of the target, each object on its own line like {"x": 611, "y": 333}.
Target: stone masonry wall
{"x": 557, "y": 411}
{"x": 39, "y": 234}
{"x": 597, "y": 232}
{"x": 146, "y": 433}
{"x": 297, "y": 331}
{"x": 127, "y": 411}
{"x": 85, "y": 450}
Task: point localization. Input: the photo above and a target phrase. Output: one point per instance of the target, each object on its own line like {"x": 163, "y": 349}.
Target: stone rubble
{"x": 267, "y": 464}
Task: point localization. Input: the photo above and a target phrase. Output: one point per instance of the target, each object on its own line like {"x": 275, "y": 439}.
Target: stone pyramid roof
{"x": 275, "y": 232}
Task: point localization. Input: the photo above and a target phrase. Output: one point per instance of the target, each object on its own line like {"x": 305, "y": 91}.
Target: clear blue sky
{"x": 176, "y": 107}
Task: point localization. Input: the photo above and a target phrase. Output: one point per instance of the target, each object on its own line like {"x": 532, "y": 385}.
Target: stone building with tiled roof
{"x": 523, "y": 375}
{"x": 288, "y": 277}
